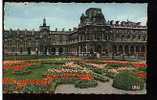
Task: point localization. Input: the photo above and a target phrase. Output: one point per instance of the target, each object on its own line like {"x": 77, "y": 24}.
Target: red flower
{"x": 140, "y": 65}
{"x": 141, "y": 74}
{"x": 86, "y": 77}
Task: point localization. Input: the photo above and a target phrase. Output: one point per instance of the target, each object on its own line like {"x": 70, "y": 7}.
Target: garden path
{"x": 102, "y": 88}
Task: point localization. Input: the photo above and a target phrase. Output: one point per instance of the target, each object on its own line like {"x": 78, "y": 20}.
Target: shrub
{"x": 127, "y": 81}
{"x": 34, "y": 89}
{"x": 85, "y": 83}
{"x": 110, "y": 74}
{"x": 53, "y": 87}
{"x": 9, "y": 88}
{"x": 99, "y": 71}
{"x": 66, "y": 81}
{"x": 100, "y": 77}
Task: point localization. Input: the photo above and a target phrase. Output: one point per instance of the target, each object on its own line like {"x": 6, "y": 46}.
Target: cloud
{"x": 143, "y": 21}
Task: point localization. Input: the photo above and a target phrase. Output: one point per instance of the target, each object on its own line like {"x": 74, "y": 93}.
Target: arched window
{"x": 128, "y": 36}
{"x": 126, "y": 48}
{"x": 137, "y": 49}
{"x": 139, "y": 37}
{"x": 120, "y": 48}
{"x": 131, "y": 49}
{"x": 60, "y": 50}
{"x": 122, "y": 37}
{"x": 142, "y": 49}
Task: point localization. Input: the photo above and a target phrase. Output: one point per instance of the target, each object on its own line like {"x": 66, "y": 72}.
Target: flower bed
{"x": 71, "y": 64}
{"x": 20, "y": 84}
{"x": 82, "y": 76}
{"x": 16, "y": 67}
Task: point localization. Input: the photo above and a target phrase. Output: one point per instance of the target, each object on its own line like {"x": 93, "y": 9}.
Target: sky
{"x": 67, "y": 15}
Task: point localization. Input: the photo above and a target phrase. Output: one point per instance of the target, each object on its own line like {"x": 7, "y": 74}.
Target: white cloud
{"x": 143, "y": 20}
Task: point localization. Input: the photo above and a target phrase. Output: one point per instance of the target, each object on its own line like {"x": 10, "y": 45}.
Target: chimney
{"x": 117, "y": 22}
{"x": 111, "y": 22}
{"x": 56, "y": 29}
{"x": 74, "y": 28}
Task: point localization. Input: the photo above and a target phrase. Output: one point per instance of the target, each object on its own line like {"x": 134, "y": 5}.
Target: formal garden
{"x": 31, "y": 74}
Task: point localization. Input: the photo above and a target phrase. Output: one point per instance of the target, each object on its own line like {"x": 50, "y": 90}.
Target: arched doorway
{"x": 98, "y": 48}
{"x": 53, "y": 51}
{"x": 45, "y": 50}
{"x": 60, "y": 50}
{"x": 29, "y": 50}
{"x": 132, "y": 50}
{"x": 127, "y": 49}
{"x": 120, "y": 49}
{"x": 21, "y": 50}
{"x": 137, "y": 49}
{"x": 142, "y": 49}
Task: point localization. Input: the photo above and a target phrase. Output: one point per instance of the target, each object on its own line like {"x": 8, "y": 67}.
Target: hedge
{"x": 127, "y": 81}
{"x": 85, "y": 83}
{"x": 34, "y": 89}
{"x": 110, "y": 74}
{"x": 9, "y": 88}
{"x": 101, "y": 78}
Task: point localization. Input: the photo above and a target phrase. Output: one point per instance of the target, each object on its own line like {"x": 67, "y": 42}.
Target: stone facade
{"x": 93, "y": 35}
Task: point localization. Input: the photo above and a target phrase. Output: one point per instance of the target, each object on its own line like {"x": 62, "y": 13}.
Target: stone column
{"x": 140, "y": 49}
{"x": 135, "y": 52}
{"x": 93, "y": 36}
{"x": 116, "y": 50}
{"x": 57, "y": 51}
{"x": 79, "y": 38}
{"x": 75, "y": 50}
{"x": 47, "y": 52}
{"x": 86, "y": 50}
{"x": 145, "y": 52}
{"x": 102, "y": 36}
{"x": 79, "y": 52}
{"x": 83, "y": 37}
{"x": 123, "y": 50}
{"x": 129, "y": 50}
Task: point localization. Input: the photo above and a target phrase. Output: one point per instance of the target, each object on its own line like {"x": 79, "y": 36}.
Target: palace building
{"x": 93, "y": 35}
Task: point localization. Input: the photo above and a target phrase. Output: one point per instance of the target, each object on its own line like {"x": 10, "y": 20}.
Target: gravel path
{"x": 102, "y": 88}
